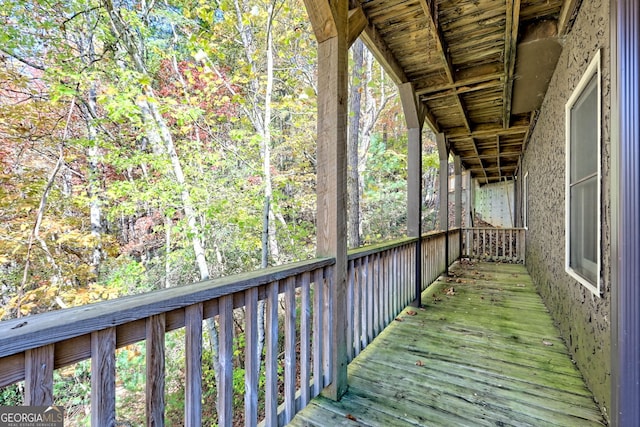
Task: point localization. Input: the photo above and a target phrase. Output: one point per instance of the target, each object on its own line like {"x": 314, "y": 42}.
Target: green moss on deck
{"x": 483, "y": 351}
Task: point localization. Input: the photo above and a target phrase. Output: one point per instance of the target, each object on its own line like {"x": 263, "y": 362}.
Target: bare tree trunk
{"x": 353, "y": 178}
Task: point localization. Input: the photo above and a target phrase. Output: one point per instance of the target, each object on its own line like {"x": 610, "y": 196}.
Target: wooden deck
{"x": 482, "y": 352}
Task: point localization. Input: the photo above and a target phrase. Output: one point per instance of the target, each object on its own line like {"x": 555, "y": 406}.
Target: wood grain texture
{"x": 46, "y": 328}
{"x": 331, "y": 189}
{"x": 103, "y": 378}
{"x": 487, "y": 355}
{"x": 290, "y": 351}
{"x": 251, "y": 358}
{"x": 318, "y": 337}
{"x": 193, "y": 368}
{"x": 271, "y": 358}
{"x": 38, "y": 364}
{"x": 460, "y": 57}
{"x": 155, "y": 326}
{"x": 225, "y": 357}
{"x": 305, "y": 339}
{"x": 357, "y": 23}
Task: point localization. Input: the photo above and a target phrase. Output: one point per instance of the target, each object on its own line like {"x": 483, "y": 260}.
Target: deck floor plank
{"x": 485, "y": 353}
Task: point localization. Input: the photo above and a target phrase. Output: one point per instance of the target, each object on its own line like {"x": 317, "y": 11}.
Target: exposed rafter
{"x": 488, "y": 132}
{"x": 430, "y": 11}
{"x": 460, "y": 57}
{"x": 566, "y": 13}
{"x": 511, "y": 40}
{"x": 475, "y": 149}
{"x": 383, "y": 54}
{"x": 357, "y": 23}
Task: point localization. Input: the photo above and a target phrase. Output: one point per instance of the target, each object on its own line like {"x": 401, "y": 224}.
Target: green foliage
{"x": 384, "y": 196}
{"x": 70, "y": 84}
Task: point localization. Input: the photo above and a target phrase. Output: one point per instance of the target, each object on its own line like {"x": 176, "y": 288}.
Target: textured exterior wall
{"x": 584, "y": 319}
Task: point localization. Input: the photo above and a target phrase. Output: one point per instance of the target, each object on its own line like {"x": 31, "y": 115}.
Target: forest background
{"x": 149, "y": 144}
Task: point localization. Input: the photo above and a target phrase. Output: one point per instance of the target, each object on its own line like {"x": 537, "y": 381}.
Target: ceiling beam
{"x": 487, "y": 132}
{"x": 475, "y": 149}
{"x": 357, "y": 23}
{"x": 491, "y": 84}
{"x": 322, "y": 17}
{"x": 375, "y": 43}
{"x": 566, "y": 13}
{"x": 429, "y": 9}
{"x": 511, "y": 40}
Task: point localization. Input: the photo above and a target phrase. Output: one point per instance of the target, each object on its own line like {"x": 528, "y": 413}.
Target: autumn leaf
{"x": 419, "y": 363}
{"x": 547, "y": 343}
{"x": 411, "y": 313}
{"x": 398, "y": 319}
{"x": 351, "y": 417}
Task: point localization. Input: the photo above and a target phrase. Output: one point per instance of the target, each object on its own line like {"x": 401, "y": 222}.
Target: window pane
{"x": 584, "y": 231}
{"x": 584, "y": 133}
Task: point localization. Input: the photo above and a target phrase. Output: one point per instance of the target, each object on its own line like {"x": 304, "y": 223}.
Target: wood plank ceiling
{"x": 461, "y": 56}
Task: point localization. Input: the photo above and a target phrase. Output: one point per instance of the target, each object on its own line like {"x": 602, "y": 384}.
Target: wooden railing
{"x": 381, "y": 282}
{"x": 494, "y": 244}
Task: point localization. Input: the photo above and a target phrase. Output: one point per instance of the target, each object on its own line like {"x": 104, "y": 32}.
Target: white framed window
{"x": 525, "y": 201}
{"x": 582, "y": 177}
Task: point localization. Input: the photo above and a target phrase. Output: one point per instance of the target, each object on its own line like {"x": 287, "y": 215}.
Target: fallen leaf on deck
{"x": 411, "y": 312}
{"x": 520, "y": 285}
{"x": 419, "y": 363}
{"x": 450, "y": 291}
{"x": 547, "y": 343}
{"x": 398, "y": 319}
{"x": 351, "y": 417}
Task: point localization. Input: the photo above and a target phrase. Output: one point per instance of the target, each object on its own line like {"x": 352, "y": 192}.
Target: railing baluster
{"x": 376, "y": 296}
{"x": 290, "y": 349}
{"x": 318, "y": 325}
{"x": 225, "y": 392}
{"x": 271, "y": 359}
{"x": 155, "y": 330}
{"x": 328, "y": 326}
{"x": 370, "y": 300}
{"x": 357, "y": 306}
{"x": 38, "y": 367}
{"x": 305, "y": 340}
{"x": 365, "y": 302}
{"x": 251, "y": 358}
{"x": 351, "y": 283}
{"x": 193, "y": 360}
{"x": 103, "y": 377}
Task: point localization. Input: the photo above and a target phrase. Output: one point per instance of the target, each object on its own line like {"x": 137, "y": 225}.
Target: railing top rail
{"x": 381, "y": 247}
{"x": 493, "y": 228}
{"x": 18, "y": 335}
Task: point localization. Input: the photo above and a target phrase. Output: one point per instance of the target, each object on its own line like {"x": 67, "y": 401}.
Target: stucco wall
{"x": 583, "y": 318}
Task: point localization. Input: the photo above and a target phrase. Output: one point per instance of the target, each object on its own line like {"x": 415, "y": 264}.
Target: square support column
{"x": 443, "y": 154}
{"x": 414, "y": 116}
{"x": 330, "y": 24}
{"x": 457, "y": 165}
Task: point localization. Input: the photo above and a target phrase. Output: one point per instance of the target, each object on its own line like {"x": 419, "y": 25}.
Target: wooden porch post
{"x": 329, "y": 20}
{"x": 625, "y": 194}
{"x": 443, "y": 152}
{"x": 414, "y": 117}
{"x": 457, "y": 165}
